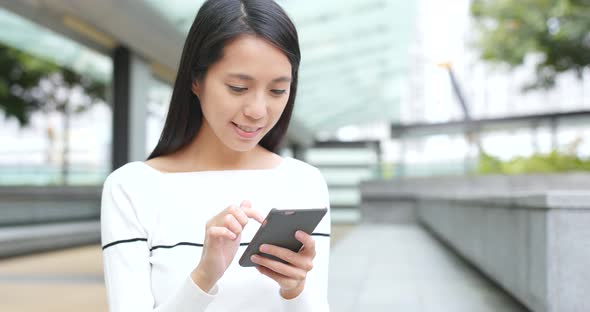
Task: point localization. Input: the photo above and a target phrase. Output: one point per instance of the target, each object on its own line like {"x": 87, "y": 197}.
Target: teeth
{"x": 247, "y": 129}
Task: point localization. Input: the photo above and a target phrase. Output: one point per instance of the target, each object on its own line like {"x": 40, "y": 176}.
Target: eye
{"x": 278, "y": 92}
{"x": 237, "y": 89}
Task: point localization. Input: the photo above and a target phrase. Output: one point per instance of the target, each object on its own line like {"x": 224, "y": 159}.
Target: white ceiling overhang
{"x": 354, "y": 53}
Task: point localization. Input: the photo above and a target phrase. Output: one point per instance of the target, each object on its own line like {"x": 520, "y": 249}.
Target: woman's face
{"x": 244, "y": 93}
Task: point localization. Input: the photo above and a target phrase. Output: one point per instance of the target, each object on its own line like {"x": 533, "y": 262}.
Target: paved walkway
{"x": 58, "y": 281}
{"x": 403, "y": 268}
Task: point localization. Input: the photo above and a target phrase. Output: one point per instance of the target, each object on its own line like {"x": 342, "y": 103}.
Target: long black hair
{"x": 217, "y": 22}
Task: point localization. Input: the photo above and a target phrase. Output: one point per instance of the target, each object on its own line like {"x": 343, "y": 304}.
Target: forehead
{"x": 253, "y": 56}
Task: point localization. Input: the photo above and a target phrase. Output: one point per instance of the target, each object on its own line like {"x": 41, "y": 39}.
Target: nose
{"x": 256, "y": 107}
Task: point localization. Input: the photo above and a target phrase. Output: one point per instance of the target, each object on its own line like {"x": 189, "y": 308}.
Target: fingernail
{"x": 254, "y": 258}
{"x": 264, "y": 248}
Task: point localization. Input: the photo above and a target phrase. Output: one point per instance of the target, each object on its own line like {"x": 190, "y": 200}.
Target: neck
{"x": 207, "y": 152}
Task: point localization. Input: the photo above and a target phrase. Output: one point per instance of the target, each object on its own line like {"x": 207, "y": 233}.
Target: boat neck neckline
{"x": 275, "y": 168}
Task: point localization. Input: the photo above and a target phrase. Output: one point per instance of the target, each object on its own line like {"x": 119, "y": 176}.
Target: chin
{"x": 242, "y": 146}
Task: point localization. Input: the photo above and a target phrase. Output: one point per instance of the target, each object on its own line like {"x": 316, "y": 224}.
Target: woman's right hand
{"x": 222, "y": 240}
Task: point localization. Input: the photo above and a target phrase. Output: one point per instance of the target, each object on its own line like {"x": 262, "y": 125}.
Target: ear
{"x": 196, "y": 88}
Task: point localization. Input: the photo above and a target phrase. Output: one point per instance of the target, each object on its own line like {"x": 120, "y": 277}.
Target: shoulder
{"x": 304, "y": 172}
{"x": 127, "y": 207}
{"x": 308, "y": 182}
{"x": 130, "y": 184}
{"x": 301, "y": 167}
{"x": 130, "y": 173}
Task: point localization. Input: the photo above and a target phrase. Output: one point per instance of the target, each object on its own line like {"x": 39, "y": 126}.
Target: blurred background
{"x": 454, "y": 136}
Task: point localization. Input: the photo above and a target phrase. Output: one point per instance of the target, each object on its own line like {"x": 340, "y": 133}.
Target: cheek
{"x": 217, "y": 104}
{"x": 275, "y": 111}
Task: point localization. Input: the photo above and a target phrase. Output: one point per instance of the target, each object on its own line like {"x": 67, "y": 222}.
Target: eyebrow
{"x": 250, "y": 78}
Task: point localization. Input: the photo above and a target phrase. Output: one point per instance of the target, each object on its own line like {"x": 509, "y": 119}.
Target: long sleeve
{"x": 126, "y": 255}
{"x": 314, "y": 297}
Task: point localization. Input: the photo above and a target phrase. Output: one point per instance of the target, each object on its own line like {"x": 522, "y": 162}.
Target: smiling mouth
{"x": 245, "y": 132}
{"x": 246, "y": 128}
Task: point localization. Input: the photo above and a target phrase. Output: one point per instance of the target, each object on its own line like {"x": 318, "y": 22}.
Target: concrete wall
{"x": 34, "y": 219}
{"x": 534, "y": 242}
{"x": 473, "y": 185}
{"x": 38, "y": 205}
{"x": 20, "y": 240}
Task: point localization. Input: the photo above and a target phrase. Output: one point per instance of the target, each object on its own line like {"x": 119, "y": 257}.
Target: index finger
{"x": 254, "y": 214}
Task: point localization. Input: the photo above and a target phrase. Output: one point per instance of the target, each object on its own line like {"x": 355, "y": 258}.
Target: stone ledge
{"x": 555, "y": 199}
{"x": 19, "y": 240}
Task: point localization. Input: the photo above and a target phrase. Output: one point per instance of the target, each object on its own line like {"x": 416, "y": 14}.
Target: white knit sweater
{"x": 153, "y": 227}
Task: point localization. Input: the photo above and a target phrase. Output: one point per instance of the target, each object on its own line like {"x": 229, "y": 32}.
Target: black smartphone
{"x": 279, "y": 229}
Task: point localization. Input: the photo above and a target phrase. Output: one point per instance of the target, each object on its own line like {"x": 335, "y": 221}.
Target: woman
{"x": 174, "y": 226}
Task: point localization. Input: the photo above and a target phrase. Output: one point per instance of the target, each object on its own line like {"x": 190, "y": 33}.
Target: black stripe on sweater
{"x": 181, "y": 243}
{"x": 124, "y": 241}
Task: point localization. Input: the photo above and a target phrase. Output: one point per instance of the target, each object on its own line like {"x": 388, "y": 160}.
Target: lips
{"x": 247, "y": 128}
{"x": 246, "y": 132}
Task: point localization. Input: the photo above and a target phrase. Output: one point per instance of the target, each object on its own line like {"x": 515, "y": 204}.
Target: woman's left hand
{"x": 291, "y": 277}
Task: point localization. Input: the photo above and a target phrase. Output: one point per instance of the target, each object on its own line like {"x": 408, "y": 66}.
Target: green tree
{"x": 558, "y": 30}
{"x": 553, "y": 162}
{"x": 29, "y": 84}
{"x": 18, "y": 73}
{"x": 21, "y": 84}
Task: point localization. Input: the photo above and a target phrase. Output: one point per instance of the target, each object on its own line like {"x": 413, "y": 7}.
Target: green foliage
{"x": 28, "y": 84}
{"x": 559, "y": 30}
{"x": 538, "y": 163}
